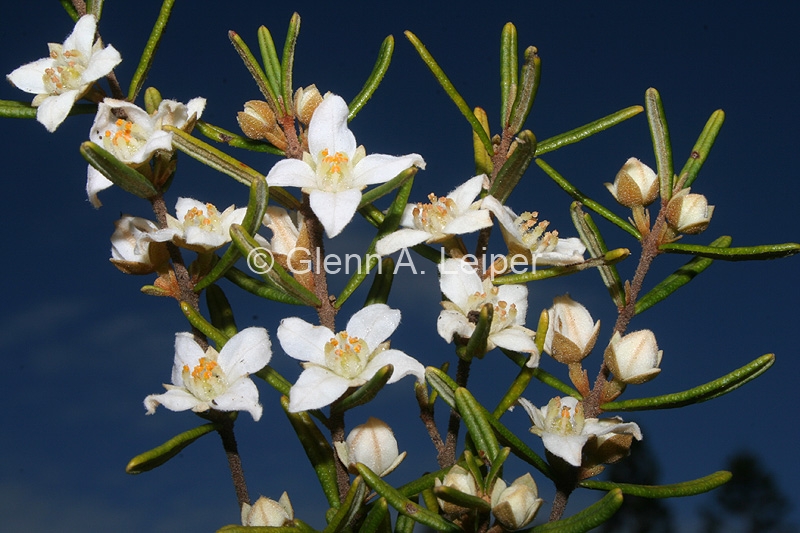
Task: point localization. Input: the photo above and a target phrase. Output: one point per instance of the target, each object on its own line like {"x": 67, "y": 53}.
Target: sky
{"x": 83, "y": 346}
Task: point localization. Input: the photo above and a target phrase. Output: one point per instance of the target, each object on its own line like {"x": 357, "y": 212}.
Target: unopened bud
{"x": 372, "y": 444}
{"x": 306, "y": 101}
{"x": 571, "y": 333}
{"x": 257, "y": 121}
{"x": 689, "y": 213}
{"x": 633, "y": 358}
{"x": 269, "y": 513}
{"x": 515, "y": 506}
{"x": 460, "y": 479}
{"x": 635, "y": 185}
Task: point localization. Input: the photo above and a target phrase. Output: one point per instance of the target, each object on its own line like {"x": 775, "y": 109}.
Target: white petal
{"x": 302, "y": 341}
{"x": 292, "y": 173}
{"x": 101, "y": 63}
{"x": 316, "y": 387}
{"x": 54, "y": 109}
{"x": 328, "y": 128}
{"x": 82, "y": 35}
{"x": 174, "y": 399}
{"x": 535, "y": 414}
{"x": 28, "y": 77}
{"x": 184, "y": 205}
{"x": 159, "y": 140}
{"x": 465, "y": 194}
{"x": 334, "y": 209}
{"x": 468, "y": 222}
{"x": 404, "y": 238}
{"x": 379, "y": 168}
{"x": 374, "y": 324}
{"x": 513, "y": 339}
{"x": 451, "y": 322}
{"x": 567, "y": 447}
{"x": 404, "y": 365}
{"x": 503, "y": 213}
{"x": 242, "y": 395}
{"x": 187, "y": 353}
{"x": 246, "y": 352}
{"x": 459, "y": 281}
{"x": 597, "y": 427}
{"x": 96, "y": 182}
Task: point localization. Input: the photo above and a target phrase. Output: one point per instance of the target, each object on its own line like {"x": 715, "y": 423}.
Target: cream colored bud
{"x": 689, "y": 213}
{"x": 460, "y": 479}
{"x": 269, "y": 513}
{"x": 372, "y": 444}
{"x": 306, "y": 102}
{"x": 515, "y": 506}
{"x": 635, "y": 184}
{"x": 571, "y": 333}
{"x": 633, "y": 358}
{"x": 129, "y": 253}
{"x": 258, "y": 121}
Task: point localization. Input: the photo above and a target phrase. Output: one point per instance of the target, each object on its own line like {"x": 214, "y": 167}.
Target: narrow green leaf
{"x": 374, "y": 79}
{"x": 149, "y": 52}
{"x": 743, "y": 253}
{"x": 382, "y": 284}
{"x": 15, "y": 109}
{"x": 161, "y": 454}
{"x": 385, "y": 188}
{"x": 377, "y": 520}
{"x": 612, "y": 257}
{"x": 351, "y": 505}
{"x": 476, "y": 345}
{"x": 422, "y": 483}
{"x": 197, "y": 320}
{"x": 549, "y": 379}
{"x": 220, "y": 311}
{"x": 585, "y": 200}
{"x": 675, "y": 490}
{"x": 403, "y": 505}
{"x": 702, "y": 393}
{"x": 287, "y": 63}
{"x": 451, "y": 91}
{"x": 508, "y": 72}
{"x": 462, "y": 499}
{"x": 702, "y": 147}
{"x": 222, "y": 135}
{"x": 442, "y": 384}
{"x": 118, "y": 172}
{"x": 317, "y": 449}
{"x": 662, "y": 147}
{"x": 366, "y": 392}
{"x": 514, "y": 391}
{"x": 516, "y": 165}
{"x": 259, "y": 288}
{"x": 679, "y": 278}
{"x": 70, "y": 9}
{"x": 483, "y": 162}
{"x": 587, "y": 519}
{"x": 251, "y": 63}
{"x": 518, "y": 447}
{"x": 269, "y": 56}
{"x": 476, "y": 419}
{"x": 404, "y": 524}
{"x": 587, "y": 130}
{"x": 526, "y": 91}
{"x": 594, "y": 242}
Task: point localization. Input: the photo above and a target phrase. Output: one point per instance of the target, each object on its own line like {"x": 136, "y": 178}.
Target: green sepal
{"x": 70, "y": 9}
{"x": 443, "y": 384}
{"x": 198, "y": 321}
{"x": 152, "y": 99}
{"x": 585, "y": 200}
{"x": 594, "y": 242}
{"x": 269, "y": 56}
{"x": 403, "y": 505}
{"x": 483, "y": 162}
{"x": 462, "y": 499}
{"x": 662, "y": 147}
{"x": 508, "y": 72}
{"x": 377, "y": 519}
{"x": 256, "y": 207}
{"x": 146, "y": 60}
{"x": 15, "y": 109}
{"x": 702, "y": 147}
{"x": 287, "y": 64}
{"x": 366, "y": 392}
{"x": 221, "y": 135}
{"x": 516, "y": 165}
{"x": 526, "y": 90}
{"x": 587, "y": 519}
{"x": 742, "y": 253}
{"x": 349, "y": 508}
{"x": 161, "y": 454}
{"x": 679, "y": 278}
{"x": 496, "y": 469}
{"x": 451, "y": 91}
{"x": 251, "y": 63}
{"x": 259, "y": 288}
{"x": 587, "y": 130}
{"x": 611, "y": 257}
{"x": 675, "y": 490}
{"x": 276, "y": 273}
{"x": 385, "y": 188}
{"x": 317, "y": 449}
{"x": 476, "y": 419}
{"x": 476, "y": 345}
{"x": 220, "y": 311}
{"x": 374, "y": 79}
{"x": 382, "y": 284}
{"x": 118, "y": 172}
{"x": 702, "y": 393}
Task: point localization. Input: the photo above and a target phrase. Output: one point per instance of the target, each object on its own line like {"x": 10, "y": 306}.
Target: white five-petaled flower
{"x": 526, "y": 237}
{"x": 445, "y": 216}
{"x": 334, "y": 362}
{"x": 130, "y": 252}
{"x": 203, "y": 380}
{"x": 467, "y": 293}
{"x": 565, "y": 431}
{"x": 198, "y": 226}
{"x": 336, "y": 170}
{"x": 60, "y": 79}
{"x": 132, "y": 135}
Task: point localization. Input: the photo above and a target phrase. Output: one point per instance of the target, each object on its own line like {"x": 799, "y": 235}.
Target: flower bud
{"x": 689, "y": 213}
{"x": 515, "y": 506}
{"x": 269, "y": 513}
{"x": 257, "y": 121}
{"x": 571, "y": 334}
{"x": 132, "y": 255}
{"x": 306, "y": 102}
{"x": 635, "y": 185}
{"x": 372, "y": 444}
{"x": 460, "y": 479}
{"x": 633, "y": 358}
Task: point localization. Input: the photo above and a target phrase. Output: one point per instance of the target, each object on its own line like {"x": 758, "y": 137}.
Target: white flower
{"x": 215, "y": 380}
{"x": 564, "y": 430}
{"x": 336, "y": 362}
{"x": 635, "y": 357}
{"x": 131, "y": 135}
{"x": 268, "y": 513}
{"x": 336, "y": 171}
{"x": 526, "y": 237}
{"x": 437, "y": 221}
{"x": 635, "y": 184}
{"x": 60, "y": 79}
{"x": 198, "y": 226}
{"x": 689, "y": 213}
{"x": 571, "y": 333}
{"x": 130, "y": 253}
{"x": 467, "y": 293}
{"x": 515, "y": 506}
{"x": 372, "y": 444}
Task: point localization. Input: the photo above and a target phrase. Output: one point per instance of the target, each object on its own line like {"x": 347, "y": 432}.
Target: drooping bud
{"x": 460, "y": 479}
{"x": 689, "y": 213}
{"x": 132, "y": 255}
{"x": 515, "y": 506}
{"x": 268, "y": 513}
{"x": 372, "y": 444}
{"x": 306, "y": 101}
{"x": 633, "y": 358}
{"x": 635, "y": 184}
{"x": 258, "y": 122}
{"x": 571, "y": 333}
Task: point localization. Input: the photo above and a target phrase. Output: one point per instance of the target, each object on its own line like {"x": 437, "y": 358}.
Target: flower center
{"x": 124, "y": 139}
{"x": 563, "y": 421}
{"x": 433, "y": 217}
{"x": 208, "y": 220}
{"x": 533, "y": 234}
{"x": 65, "y": 74}
{"x": 206, "y": 380}
{"x": 346, "y": 355}
{"x": 334, "y": 171}
{"x": 505, "y": 314}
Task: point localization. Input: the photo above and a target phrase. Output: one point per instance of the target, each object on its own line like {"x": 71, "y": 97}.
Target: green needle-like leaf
{"x": 514, "y": 391}
{"x": 252, "y": 65}
{"x": 385, "y": 188}
{"x": 476, "y": 345}
{"x": 675, "y": 490}
{"x": 198, "y": 321}
{"x": 377, "y": 520}
{"x": 661, "y": 143}
{"x": 508, "y": 72}
{"x": 118, "y": 172}
{"x": 220, "y": 311}
{"x": 483, "y": 162}
{"x": 269, "y": 55}
{"x": 743, "y": 253}
{"x": 702, "y": 147}
{"x": 146, "y": 61}
{"x": 612, "y": 257}
{"x": 70, "y": 9}
{"x": 287, "y": 63}
{"x": 367, "y": 391}
{"x": 475, "y": 418}
{"x": 526, "y": 91}
{"x": 374, "y": 79}
{"x": 15, "y": 109}
{"x": 351, "y": 505}
{"x": 161, "y": 454}
{"x": 702, "y": 393}
{"x": 462, "y": 499}
{"x": 259, "y": 288}
{"x": 587, "y": 130}
{"x": 594, "y": 242}
{"x": 516, "y": 165}
{"x": 519, "y": 448}
{"x": 442, "y": 384}
{"x": 587, "y": 519}
{"x": 451, "y": 91}
{"x": 382, "y": 284}
{"x": 222, "y": 135}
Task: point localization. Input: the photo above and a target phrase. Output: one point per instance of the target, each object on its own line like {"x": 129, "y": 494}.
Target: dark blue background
{"x": 82, "y": 347}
